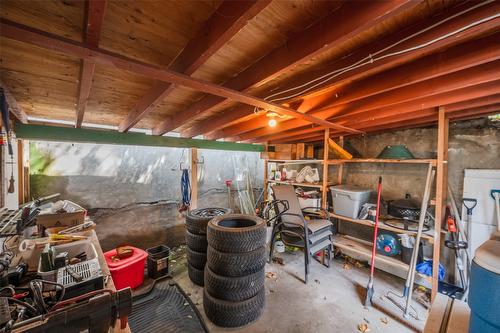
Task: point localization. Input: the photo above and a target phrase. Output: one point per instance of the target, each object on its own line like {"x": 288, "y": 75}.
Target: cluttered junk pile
{"x": 54, "y": 275}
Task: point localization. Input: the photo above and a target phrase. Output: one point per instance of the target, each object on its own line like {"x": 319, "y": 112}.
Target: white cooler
{"x": 348, "y": 199}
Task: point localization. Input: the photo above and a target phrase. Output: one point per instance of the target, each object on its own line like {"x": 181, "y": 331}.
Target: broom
{"x": 369, "y": 287}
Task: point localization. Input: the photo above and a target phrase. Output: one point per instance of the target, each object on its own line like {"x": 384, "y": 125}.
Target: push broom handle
{"x": 423, "y": 212}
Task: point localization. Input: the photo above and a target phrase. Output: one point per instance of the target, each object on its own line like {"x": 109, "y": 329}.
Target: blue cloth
{"x": 426, "y": 269}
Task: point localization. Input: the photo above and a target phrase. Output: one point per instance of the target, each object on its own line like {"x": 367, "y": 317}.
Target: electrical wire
{"x": 371, "y": 58}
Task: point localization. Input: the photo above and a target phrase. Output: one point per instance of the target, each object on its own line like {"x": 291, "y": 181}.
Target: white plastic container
{"x": 73, "y": 250}
{"x": 309, "y": 202}
{"x": 348, "y": 199}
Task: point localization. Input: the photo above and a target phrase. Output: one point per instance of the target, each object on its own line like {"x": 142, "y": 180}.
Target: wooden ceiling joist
{"x": 453, "y": 21}
{"x": 462, "y": 79}
{"x": 409, "y": 122}
{"x": 95, "y": 17}
{"x": 14, "y": 107}
{"x": 302, "y": 47}
{"x": 25, "y": 34}
{"x": 470, "y": 97}
{"x": 227, "y": 21}
{"x": 454, "y": 59}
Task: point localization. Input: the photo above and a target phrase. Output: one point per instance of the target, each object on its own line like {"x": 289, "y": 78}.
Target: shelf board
{"x": 285, "y": 162}
{"x": 428, "y": 235}
{"x": 318, "y": 185}
{"x": 377, "y": 160}
{"x": 362, "y": 251}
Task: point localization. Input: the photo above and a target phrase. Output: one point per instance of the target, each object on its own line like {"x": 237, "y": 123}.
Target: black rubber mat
{"x": 165, "y": 308}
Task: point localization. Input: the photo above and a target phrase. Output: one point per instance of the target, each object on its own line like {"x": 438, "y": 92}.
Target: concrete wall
{"x": 472, "y": 145}
{"x": 132, "y": 192}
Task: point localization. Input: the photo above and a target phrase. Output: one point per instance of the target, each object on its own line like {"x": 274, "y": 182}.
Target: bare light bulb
{"x": 272, "y": 122}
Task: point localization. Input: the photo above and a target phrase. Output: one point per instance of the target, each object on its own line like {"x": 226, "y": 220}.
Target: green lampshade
{"x": 399, "y": 152}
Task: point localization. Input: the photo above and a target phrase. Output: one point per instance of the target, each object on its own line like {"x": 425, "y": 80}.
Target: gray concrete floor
{"x": 332, "y": 301}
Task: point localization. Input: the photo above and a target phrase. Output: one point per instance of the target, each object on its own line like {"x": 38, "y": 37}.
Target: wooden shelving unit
{"x": 316, "y": 185}
{"x": 427, "y": 235}
{"x": 361, "y": 250}
{"x": 388, "y": 161}
{"x": 359, "y": 247}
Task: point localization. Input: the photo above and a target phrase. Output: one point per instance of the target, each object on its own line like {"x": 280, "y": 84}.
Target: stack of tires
{"x": 234, "y": 293}
{"x": 196, "y": 240}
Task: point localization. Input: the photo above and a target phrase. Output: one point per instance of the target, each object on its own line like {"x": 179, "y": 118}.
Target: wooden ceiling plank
{"x": 462, "y": 79}
{"x": 460, "y": 98}
{"x": 14, "y": 108}
{"x": 457, "y": 58}
{"x": 410, "y": 121}
{"x": 307, "y": 44}
{"x": 22, "y": 33}
{"x": 229, "y": 18}
{"x": 452, "y": 25}
{"x": 95, "y": 19}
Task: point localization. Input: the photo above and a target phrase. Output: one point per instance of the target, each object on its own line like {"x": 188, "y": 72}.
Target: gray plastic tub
{"x": 348, "y": 199}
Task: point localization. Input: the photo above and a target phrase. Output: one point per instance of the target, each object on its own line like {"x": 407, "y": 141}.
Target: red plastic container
{"x": 128, "y": 272}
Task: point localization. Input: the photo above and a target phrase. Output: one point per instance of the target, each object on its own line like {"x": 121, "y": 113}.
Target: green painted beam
{"x": 56, "y": 133}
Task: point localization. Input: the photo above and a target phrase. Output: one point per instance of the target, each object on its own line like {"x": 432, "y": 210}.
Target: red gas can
{"x": 127, "y": 272}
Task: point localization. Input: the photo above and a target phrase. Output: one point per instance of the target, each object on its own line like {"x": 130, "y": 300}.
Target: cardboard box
{"x": 305, "y": 151}
{"x": 63, "y": 219}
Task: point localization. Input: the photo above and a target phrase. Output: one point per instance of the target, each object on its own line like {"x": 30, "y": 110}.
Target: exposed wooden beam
{"x": 417, "y": 121}
{"x": 14, "y": 107}
{"x": 309, "y": 43}
{"x": 446, "y": 83}
{"x": 472, "y": 97}
{"x": 29, "y": 35}
{"x": 457, "y": 58}
{"x": 87, "y": 135}
{"x": 478, "y": 12}
{"x": 229, "y": 18}
{"x": 95, "y": 18}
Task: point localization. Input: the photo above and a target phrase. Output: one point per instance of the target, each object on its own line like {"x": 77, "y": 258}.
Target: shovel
{"x": 369, "y": 287}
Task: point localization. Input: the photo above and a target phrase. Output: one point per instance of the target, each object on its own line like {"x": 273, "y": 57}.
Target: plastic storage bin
{"x": 158, "y": 261}
{"x": 73, "y": 249}
{"x": 347, "y": 199}
{"x": 484, "y": 289}
{"x": 128, "y": 272}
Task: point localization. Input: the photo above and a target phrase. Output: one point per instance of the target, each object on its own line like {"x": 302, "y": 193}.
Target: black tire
{"x": 196, "y": 243}
{"x": 236, "y": 264}
{"x": 196, "y": 259}
{"x": 197, "y": 219}
{"x": 196, "y": 275}
{"x": 233, "y": 314}
{"x": 234, "y": 289}
{"x": 236, "y": 233}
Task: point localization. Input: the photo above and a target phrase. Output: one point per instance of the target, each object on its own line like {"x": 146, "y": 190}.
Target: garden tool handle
{"x": 471, "y": 206}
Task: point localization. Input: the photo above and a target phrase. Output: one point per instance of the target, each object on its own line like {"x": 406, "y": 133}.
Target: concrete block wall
{"x": 132, "y": 192}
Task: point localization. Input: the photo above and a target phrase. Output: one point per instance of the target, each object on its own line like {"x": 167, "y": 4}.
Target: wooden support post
{"x": 20, "y": 171}
{"x": 194, "y": 178}
{"x": 324, "y": 188}
{"x": 266, "y": 177}
{"x": 340, "y": 167}
{"x": 441, "y": 186}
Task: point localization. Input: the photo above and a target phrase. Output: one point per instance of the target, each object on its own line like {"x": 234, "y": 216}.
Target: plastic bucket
{"x": 128, "y": 272}
{"x": 158, "y": 261}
